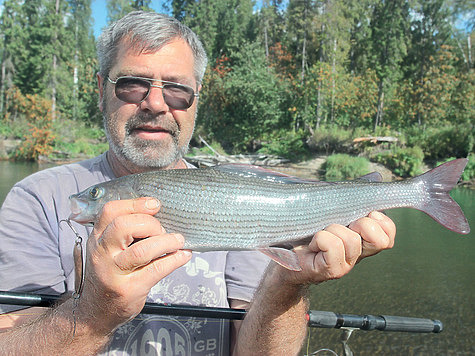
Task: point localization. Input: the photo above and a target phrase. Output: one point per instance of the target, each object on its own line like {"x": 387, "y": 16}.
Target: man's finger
{"x": 374, "y": 237}
{"x": 162, "y": 267}
{"x": 351, "y": 242}
{"x": 124, "y": 230}
{"x": 145, "y": 251}
{"x": 114, "y": 209}
{"x": 386, "y": 224}
{"x": 331, "y": 250}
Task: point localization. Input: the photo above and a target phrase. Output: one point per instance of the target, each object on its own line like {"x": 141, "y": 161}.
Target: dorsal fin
{"x": 246, "y": 170}
{"x": 371, "y": 177}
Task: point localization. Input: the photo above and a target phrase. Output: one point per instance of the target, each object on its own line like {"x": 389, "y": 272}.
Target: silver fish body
{"x": 242, "y": 208}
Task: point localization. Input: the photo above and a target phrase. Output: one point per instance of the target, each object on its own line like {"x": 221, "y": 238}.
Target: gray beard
{"x": 145, "y": 153}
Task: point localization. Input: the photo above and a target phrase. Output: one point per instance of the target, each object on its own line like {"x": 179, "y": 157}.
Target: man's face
{"x": 149, "y": 135}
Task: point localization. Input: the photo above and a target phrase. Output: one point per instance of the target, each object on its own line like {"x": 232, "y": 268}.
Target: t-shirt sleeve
{"x": 29, "y": 257}
{"x": 244, "y": 270}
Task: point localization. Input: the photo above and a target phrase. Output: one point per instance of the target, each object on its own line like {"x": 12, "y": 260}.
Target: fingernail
{"x": 152, "y": 204}
{"x": 376, "y": 215}
{"x": 187, "y": 253}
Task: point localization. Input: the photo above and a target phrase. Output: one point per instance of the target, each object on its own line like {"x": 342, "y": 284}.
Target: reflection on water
{"x": 10, "y": 173}
{"x": 428, "y": 274}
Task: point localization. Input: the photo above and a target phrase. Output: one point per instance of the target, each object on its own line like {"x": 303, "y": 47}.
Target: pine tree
{"x": 117, "y": 9}
{"x": 389, "y": 27}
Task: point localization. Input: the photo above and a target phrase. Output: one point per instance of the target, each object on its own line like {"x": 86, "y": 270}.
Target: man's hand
{"x": 276, "y": 320}
{"x": 334, "y": 251}
{"x": 128, "y": 252}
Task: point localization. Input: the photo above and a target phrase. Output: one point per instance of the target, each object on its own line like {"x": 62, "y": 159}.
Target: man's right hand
{"x": 127, "y": 253}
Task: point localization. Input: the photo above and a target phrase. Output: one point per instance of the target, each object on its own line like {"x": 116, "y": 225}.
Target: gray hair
{"x": 147, "y": 31}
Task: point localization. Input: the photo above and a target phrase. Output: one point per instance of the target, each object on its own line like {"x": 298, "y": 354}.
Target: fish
{"x": 244, "y": 207}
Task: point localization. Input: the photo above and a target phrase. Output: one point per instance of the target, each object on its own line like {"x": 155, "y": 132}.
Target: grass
{"x": 343, "y": 167}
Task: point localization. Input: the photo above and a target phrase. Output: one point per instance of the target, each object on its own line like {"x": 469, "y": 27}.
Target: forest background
{"x": 286, "y": 78}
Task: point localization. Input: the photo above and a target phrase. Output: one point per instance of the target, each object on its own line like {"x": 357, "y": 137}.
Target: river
{"x": 428, "y": 274}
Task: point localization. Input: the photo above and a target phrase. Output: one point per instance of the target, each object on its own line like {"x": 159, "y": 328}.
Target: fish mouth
{"x": 78, "y": 210}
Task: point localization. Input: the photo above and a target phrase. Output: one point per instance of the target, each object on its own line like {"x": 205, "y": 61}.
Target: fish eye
{"x": 96, "y": 193}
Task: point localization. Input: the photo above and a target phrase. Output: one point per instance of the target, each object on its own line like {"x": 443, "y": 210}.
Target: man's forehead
{"x": 144, "y": 62}
{"x": 167, "y": 50}
{"x": 137, "y": 47}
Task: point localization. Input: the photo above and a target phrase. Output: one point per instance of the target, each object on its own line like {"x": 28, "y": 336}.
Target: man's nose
{"x": 155, "y": 102}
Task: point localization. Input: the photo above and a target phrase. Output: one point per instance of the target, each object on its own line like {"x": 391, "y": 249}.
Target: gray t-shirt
{"x": 36, "y": 256}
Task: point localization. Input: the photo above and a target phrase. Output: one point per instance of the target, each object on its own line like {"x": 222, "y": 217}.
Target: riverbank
{"x": 7, "y": 147}
{"x": 313, "y": 167}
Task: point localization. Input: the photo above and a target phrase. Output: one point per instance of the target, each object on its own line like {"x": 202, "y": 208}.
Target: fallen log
{"x": 375, "y": 139}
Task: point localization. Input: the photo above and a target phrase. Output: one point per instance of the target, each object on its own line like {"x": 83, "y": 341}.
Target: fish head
{"x": 86, "y": 205}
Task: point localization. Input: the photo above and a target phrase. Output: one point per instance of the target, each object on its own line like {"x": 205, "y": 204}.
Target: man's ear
{"x": 100, "y": 84}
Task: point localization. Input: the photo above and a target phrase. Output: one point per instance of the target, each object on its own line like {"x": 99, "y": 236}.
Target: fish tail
{"x": 439, "y": 205}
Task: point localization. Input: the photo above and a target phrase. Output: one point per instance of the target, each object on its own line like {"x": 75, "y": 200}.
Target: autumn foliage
{"x": 36, "y": 112}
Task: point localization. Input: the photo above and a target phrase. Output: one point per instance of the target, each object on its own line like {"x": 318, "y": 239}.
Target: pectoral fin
{"x": 284, "y": 257}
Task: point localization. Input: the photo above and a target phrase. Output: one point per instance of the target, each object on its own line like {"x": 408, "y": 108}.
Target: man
{"x": 150, "y": 75}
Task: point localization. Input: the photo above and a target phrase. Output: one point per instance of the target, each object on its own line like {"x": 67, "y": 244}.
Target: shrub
{"x": 404, "y": 162}
{"x": 82, "y": 147}
{"x": 36, "y": 111}
{"x": 19, "y": 130}
{"x": 439, "y": 143}
{"x": 330, "y": 140}
{"x": 78, "y": 139}
{"x": 284, "y": 143}
{"x": 213, "y": 148}
{"x": 343, "y": 166}
{"x": 469, "y": 172}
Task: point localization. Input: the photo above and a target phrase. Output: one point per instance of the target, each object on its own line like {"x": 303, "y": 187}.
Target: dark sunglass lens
{"x": 178, "y": 96}
{"x": 131, "y": 90}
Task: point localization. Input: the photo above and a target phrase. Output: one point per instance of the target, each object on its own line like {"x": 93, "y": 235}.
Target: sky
{"x": 99, "y": 13}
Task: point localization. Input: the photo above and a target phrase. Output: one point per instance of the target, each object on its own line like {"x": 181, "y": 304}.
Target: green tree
{"x": 429, "y": 30}
{"x": 82, "y": 104}
{"x": 50, "y": 46}
{"x": 434, "y": 104}
{"x": 243, "y": 103}
{"x": 360, "y": 34}
{"x": 271, "y": 24}
{"x": 333, "y": 48}
{"x": 223, "y": 26}
{"x": 10, "y": 30}
{"x": 389, "y": 27}
{"x": 117, "y": 9}
{"x": 301, "y": 32}
{"x": 40, "y": 49}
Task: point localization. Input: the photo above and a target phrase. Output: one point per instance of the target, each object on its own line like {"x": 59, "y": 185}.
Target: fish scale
{"x": 231, "y": 212}
{"x": 245, "y": 207}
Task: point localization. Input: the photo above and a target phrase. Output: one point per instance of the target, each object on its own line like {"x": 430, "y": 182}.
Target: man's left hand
{"x": 334, "y": 251}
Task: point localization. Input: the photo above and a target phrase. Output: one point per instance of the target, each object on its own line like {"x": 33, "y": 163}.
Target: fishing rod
{"x": 315, "y": 318}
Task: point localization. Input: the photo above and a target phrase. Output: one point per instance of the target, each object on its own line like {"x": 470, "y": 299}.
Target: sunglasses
{"x": 134, "y": 90}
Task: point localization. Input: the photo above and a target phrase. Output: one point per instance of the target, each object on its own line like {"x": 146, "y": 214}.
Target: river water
{"x": 428, "y": 274}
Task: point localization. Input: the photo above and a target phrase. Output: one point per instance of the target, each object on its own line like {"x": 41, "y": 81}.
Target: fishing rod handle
{"x": 324, "y": 319}
{"x": 414, "y": 325}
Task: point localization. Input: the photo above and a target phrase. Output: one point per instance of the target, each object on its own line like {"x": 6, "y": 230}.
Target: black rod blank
{"x": 316, "y": 318}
